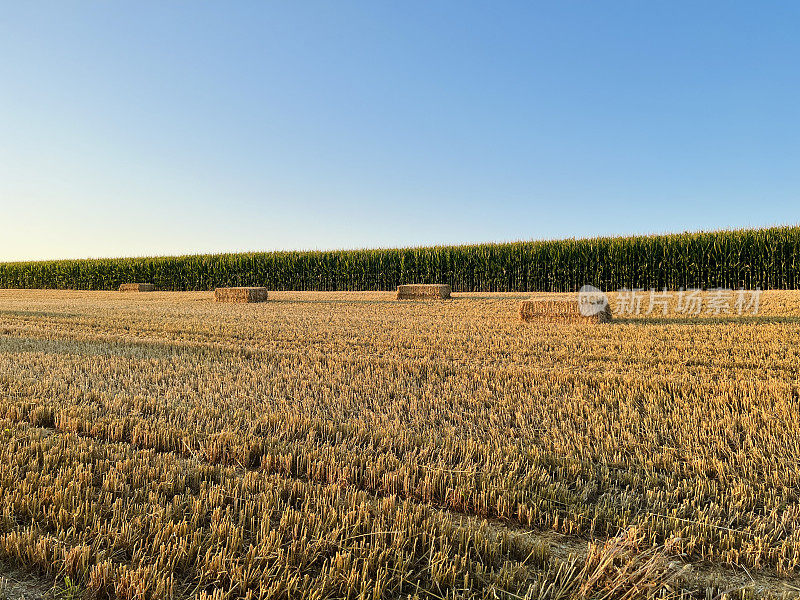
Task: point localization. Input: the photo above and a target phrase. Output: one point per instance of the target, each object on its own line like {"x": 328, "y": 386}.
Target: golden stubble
{"x": 349, "y": 444}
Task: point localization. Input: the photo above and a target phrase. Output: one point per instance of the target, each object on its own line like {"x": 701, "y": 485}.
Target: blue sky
{"x": 136, "y": 128}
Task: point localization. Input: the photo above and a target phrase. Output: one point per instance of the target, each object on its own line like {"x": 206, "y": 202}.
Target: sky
{"x": 158, "y": 128}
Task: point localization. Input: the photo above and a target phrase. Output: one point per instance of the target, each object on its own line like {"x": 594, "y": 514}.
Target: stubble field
{"x": 347, "y": 445}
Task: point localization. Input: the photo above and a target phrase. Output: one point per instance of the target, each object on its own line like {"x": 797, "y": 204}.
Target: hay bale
{"x": 241, "y": 295}
{"x": 560, "y": 311}
{"x": 423, "y": 290}
{"x": 137, "y": 287}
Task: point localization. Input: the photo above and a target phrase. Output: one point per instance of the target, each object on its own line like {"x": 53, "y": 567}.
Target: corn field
{"x": 764, "y": 258}
{"x": 348, "y": 445}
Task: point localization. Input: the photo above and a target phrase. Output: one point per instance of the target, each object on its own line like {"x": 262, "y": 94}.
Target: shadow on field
{"x": 503, "y": 297}
{"x": 36, "y": 313}
{"x": 454, "y": 298}
{"x": 124, "y": 348}
{"x": 720, "y": 320}
{"x": 335, "y": 301}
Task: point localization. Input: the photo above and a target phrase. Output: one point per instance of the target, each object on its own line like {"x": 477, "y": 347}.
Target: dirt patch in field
{"x": 16, "y": 584}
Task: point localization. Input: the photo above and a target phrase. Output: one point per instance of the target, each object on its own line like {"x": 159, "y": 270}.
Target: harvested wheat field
{"x": 345, "y": 445}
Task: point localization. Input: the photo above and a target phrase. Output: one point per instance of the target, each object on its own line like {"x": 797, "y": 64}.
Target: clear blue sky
{"x": 139, "y": 128}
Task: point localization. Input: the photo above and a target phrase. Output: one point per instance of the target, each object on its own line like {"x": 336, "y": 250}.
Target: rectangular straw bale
{"x": 241, "y": 295}
{"x": 423, "y": 290}
{"x": 559, "y": 311}
{"x": 137, "y": 287}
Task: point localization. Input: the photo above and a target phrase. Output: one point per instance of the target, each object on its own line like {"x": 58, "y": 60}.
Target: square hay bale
{"x": 423, "y": 290}
{"x": 560, "y": 311}
{"x": 137, "y": 287}
{"x": 241, "y": 295}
